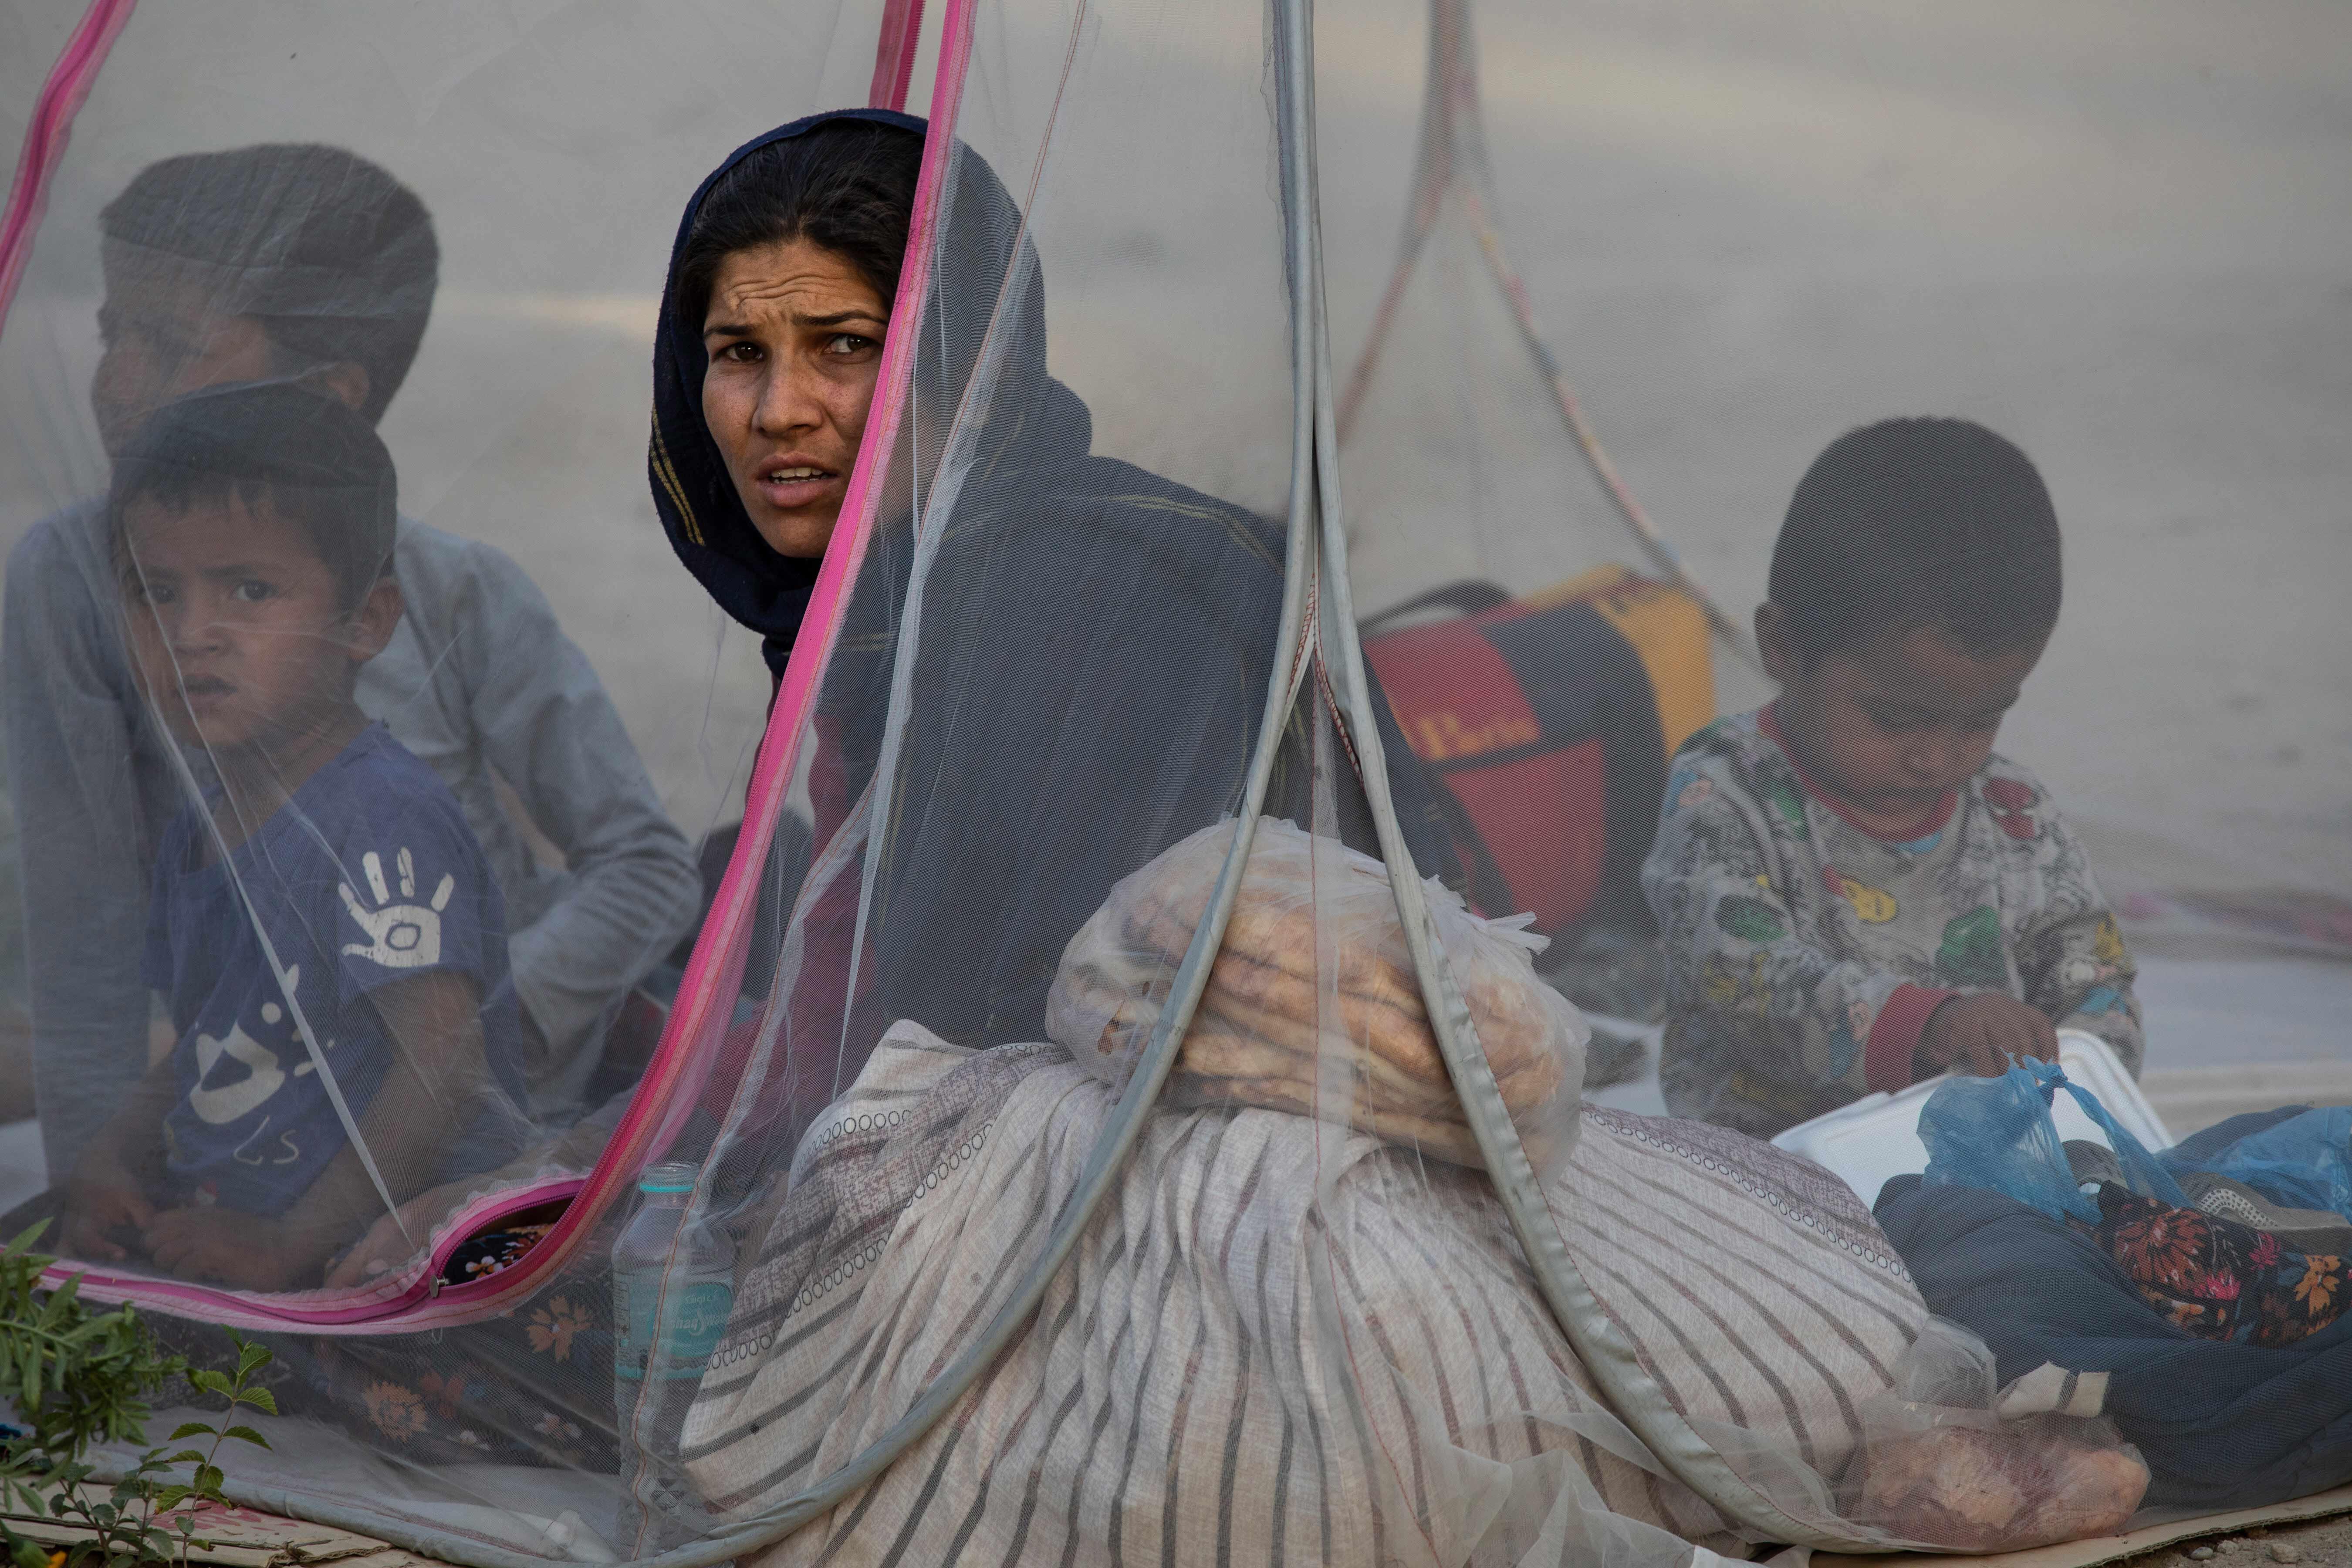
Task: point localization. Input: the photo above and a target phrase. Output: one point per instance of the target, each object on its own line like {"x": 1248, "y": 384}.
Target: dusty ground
{"x": 2322, "y": 1543}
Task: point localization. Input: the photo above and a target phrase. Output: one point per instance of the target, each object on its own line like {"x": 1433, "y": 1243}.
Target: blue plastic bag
{"x": 1996, "y": 1133}
{"x": 2303, "y": 1162}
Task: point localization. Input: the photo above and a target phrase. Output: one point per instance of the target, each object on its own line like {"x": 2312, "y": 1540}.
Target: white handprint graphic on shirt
{"x": 404, "y": 935}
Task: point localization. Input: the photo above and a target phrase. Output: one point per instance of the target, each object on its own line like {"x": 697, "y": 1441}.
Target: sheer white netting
{"x": 1063, "y": 1036}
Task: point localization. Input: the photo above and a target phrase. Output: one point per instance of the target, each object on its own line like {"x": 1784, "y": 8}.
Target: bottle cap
{"x": 677, "y": 1177}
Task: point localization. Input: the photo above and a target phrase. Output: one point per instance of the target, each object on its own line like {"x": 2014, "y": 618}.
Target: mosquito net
{"x": 1057, "y": 916}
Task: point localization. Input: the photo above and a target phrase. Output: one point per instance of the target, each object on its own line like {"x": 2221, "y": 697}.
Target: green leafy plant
{"x": 77, "y": 1376}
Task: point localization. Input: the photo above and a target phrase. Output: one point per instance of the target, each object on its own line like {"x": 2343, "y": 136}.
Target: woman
{"x": 1081, "y": 665}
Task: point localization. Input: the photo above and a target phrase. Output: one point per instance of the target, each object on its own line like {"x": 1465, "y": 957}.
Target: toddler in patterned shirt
{"x": 1855, "y": 890}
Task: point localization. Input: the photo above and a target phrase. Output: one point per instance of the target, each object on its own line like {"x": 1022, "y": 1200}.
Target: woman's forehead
{"x": 792, "y": 280}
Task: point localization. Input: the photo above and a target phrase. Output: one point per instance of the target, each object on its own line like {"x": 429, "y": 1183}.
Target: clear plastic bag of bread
{"x": 1947, "y": 1460}
{"x": 1312, "y": 1006}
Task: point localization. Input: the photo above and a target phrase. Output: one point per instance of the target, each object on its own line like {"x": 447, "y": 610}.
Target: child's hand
{"x": 224, "y": 1246}
{"x": 1984, "y": 1035}
{"x": 386, "y": 1244}
{"x": 103, "y": 1202}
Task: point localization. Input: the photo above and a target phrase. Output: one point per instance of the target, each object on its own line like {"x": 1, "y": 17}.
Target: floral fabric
{"x": 533, "y": 1387}
{"x": 2217, "y": 1279}
{"x": 492, "y": 1252}
{"x": 1797, "y": 944}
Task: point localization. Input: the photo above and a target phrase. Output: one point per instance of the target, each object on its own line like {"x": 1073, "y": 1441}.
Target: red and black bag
{"x": 1548, "y": 722}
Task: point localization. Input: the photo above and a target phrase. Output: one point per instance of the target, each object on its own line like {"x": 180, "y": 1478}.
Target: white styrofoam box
{"x": 1877, "y": 1136}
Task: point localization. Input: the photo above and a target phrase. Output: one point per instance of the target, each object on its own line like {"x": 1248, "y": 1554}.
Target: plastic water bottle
{"x": 673, "y": 1290}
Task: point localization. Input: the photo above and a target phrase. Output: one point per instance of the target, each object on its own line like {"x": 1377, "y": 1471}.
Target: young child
{"x": 1854, "y": 890}
{"x": 324, "y": 912}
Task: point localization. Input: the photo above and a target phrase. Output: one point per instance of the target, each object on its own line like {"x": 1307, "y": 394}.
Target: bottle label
{"x": 689, "y": 1323}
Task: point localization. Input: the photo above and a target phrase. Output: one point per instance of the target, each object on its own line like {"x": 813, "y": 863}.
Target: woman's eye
{"x": 252, "y": 590}
{"x": 740, "y": 352}
{"x": 845, "y": 344}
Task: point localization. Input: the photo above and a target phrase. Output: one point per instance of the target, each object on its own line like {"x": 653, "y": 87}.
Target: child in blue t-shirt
{"x": 324, "y": 926}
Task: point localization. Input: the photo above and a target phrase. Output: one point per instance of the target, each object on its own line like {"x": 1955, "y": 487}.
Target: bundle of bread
{"x": 1950, "y": 1457}
{"x": 1312, "y": 1005}
{"x": 1975, "y": 1485}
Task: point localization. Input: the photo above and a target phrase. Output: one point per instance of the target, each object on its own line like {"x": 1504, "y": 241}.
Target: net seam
{"x": 62, "y": 96}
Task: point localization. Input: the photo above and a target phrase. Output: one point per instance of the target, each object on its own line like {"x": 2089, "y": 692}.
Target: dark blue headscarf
{"x": 693, "y": 491}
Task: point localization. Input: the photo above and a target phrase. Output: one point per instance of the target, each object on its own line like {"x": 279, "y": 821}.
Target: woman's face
{"x": 794, "y": 336}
